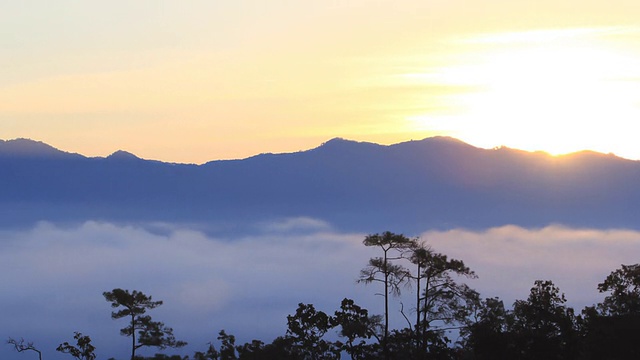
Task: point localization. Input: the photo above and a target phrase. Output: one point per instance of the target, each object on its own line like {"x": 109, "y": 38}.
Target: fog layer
{"x": 52, "y": 276}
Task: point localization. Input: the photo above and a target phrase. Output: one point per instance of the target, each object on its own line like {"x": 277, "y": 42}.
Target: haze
{"x": 229, "y": 79}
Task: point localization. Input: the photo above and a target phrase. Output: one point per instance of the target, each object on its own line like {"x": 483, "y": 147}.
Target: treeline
{"x": 447, "y": 319}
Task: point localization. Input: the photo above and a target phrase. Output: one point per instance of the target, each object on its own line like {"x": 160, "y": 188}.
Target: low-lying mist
{"x": 53, "y": 276}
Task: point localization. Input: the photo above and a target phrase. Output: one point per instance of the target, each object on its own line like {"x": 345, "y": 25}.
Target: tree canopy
{"x": 134, "y": 305}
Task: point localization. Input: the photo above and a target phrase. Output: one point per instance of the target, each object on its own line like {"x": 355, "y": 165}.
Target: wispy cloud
{"x": 300, "y": 223}
{"x": 52, "y": 277}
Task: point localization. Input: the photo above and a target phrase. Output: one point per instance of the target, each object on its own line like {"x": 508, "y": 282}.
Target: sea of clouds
{"x": 52, "y": 276}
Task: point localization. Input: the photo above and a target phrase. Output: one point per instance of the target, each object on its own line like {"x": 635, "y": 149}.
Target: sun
{"x": 555, "y": 91}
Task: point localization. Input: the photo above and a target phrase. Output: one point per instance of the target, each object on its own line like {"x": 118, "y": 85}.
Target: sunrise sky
{"x": 193, "y": 81}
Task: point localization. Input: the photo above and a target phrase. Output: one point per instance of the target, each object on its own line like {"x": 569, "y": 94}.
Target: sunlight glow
{"x": 550, "y": 91}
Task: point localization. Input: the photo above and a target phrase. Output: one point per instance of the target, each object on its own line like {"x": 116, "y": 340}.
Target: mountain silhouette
{"x": 435, "y": 183}
{"x": 26, "y": 148}
{"x": 121, "y": 155}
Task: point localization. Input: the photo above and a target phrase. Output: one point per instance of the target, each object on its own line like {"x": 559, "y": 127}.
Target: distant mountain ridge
{"x": 413, "y": 186}
{"x": 29, "y": 148}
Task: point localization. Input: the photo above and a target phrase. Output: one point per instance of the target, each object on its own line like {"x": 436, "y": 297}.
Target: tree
{"x": 544, "y": 327}
{"x": 355, "y": 323}
{"x": 83, "y": 351}
{"x": 610, "y": 328}
{"x": 443, "y": 300}
{"x": 227, "y": 346}
{"x": 251, "y": 351}
{"x": 20, "y": 346}
{"x": 210, "y": 354}
{"x": 163, "y": 357}
{"x": 280, "y": 348}
{"x": 306, "y": 328}
{"x": 382, "y": 270}
{"x": 487, "y": 335}
{"x": 624, "y": 287}
{"x": 150, "y": 333}
{"x": 419, "y": 257}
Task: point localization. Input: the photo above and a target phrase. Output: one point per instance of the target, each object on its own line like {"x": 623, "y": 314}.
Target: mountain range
{"x": 435, "y": 183}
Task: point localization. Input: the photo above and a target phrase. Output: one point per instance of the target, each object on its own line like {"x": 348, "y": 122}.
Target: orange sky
{"x": 202, "y": 80}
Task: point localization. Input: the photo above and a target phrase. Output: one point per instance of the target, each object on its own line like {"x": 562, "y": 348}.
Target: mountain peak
{"x": 446, "y": 139}
{"x": 339, "y": 143}
{"x": 27, "y": 148}
{"x": 122, "y": 155}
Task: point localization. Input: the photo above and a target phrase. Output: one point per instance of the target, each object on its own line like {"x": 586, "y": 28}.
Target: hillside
{"x": 412, "y": 186}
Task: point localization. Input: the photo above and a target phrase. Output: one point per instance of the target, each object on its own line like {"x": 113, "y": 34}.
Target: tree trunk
{"x": 133, "y": 337}
{"x": 418, "y": 336}
{"x": 385, "y": 346}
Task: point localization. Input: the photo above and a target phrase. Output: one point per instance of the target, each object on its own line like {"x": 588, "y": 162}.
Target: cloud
{"x": 299, "y": 223}
{"x": 508, "y": 259}
{"x": 52, "y": 277}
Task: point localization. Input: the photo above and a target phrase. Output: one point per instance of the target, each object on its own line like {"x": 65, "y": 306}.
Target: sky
{"x": 193, "y": 81}
{"x": 52, "y": 278}
{"x": 200, "y": 80}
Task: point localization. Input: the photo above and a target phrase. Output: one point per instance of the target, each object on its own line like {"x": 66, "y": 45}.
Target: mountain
{"x": 25, "y": 148}
{"x": 409, "y": 187}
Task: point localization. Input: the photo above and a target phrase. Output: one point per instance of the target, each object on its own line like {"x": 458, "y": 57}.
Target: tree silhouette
{"x": 611, "y": 328}
{"x": 83, "y": 351}
{"x": 210, "y": 354}
{"x": 306, "y": 328}
{"x": 543, "y": 325}
{"x": 254, "y": 350}
{"x": 20, "y": 346}
{"x": 228, "y": 346}
{"x": 488, "y": 335}
{"x": 150, "y": 333}
{"x": 382, "y": 270}
{"x": 443, "y": 300}
{"x": 355, "y": 323}
{"x": 624, "y": 287}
